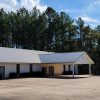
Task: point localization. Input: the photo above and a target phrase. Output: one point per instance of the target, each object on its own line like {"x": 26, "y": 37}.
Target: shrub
{"x": 13, "y": 75}
{"x": 67, "y": 73}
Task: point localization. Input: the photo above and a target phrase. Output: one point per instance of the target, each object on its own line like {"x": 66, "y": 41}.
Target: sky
{"x": 88, "y": 10}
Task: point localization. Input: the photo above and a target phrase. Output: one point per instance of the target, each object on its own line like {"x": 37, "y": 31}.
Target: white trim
{"x": 73, "y": 71}
{"x": 90, "y": 70}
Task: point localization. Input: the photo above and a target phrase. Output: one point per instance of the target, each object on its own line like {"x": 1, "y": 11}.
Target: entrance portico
{"x": 59, "y": 60}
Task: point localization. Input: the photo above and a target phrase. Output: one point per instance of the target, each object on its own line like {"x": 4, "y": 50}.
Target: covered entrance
{"x": 59, "y": 59}
{"x": 2, "y": 72}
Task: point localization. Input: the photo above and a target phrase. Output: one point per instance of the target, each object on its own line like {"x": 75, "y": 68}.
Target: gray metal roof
{"x": 12, "y": 55}
{"x": 60, "y": 57}
{"x": 73, "y": 57}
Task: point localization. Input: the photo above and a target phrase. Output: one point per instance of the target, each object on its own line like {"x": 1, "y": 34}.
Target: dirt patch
{"x": 50, "y": 89}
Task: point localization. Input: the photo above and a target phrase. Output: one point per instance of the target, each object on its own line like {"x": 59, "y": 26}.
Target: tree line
{"x": 49, "y": 31}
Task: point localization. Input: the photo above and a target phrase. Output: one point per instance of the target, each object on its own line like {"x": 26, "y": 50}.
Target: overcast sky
{"x": 88, "y": 10}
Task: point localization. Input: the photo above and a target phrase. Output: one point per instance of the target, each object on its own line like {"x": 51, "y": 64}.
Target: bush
{"x": 13, "y": 75}
{"x": 0, "y": 76}
{"x": 67, "y": 73}
{"x": 36, "y": 74}
{"x": 25, "y": 74}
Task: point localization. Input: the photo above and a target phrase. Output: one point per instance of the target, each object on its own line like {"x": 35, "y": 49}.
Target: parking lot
{"x": 87, "y": 88}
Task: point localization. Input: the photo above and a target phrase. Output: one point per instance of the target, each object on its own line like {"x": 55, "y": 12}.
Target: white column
{"x": 90, "y": 69}
{"x": 73, "y": 70}
{"x": 76, "y": 69}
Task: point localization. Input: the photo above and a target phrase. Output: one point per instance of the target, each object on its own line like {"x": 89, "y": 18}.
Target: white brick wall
{"x": 23, "y": 68}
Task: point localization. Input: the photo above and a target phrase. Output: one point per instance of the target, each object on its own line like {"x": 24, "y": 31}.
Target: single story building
{"x": 18, "y": 61}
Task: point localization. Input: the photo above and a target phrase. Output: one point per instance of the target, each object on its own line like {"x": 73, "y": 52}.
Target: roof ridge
{"x": 21, "y": 49}
{"x": 62, "y": 53}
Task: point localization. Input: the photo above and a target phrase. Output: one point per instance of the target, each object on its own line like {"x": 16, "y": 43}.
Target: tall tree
{"x": 80, "y": 27}
{"x": 34, "y": 32}
{"x": 50, "y": 17}
{"x": 4, "y": 29}
{"x": 71, "y": 33}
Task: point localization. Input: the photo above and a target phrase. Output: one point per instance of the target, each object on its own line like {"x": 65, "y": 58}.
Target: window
{"x": 18, "y": 68}
{"x": 64, "y": 68}
{"x": 30, "y": 68}
{"x": 69, "y": 68}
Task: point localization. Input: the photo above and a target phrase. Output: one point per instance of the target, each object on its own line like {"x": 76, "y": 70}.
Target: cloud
{"x": 93, "y": 25}
{"x": 90, "y": 13}
{"x": 69, "y": 10}
{"x": 94, "y": 7}
{"x": 6, "y": 7}
{"x": 88, "y": 19}
{"x": 13, "y": 5}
